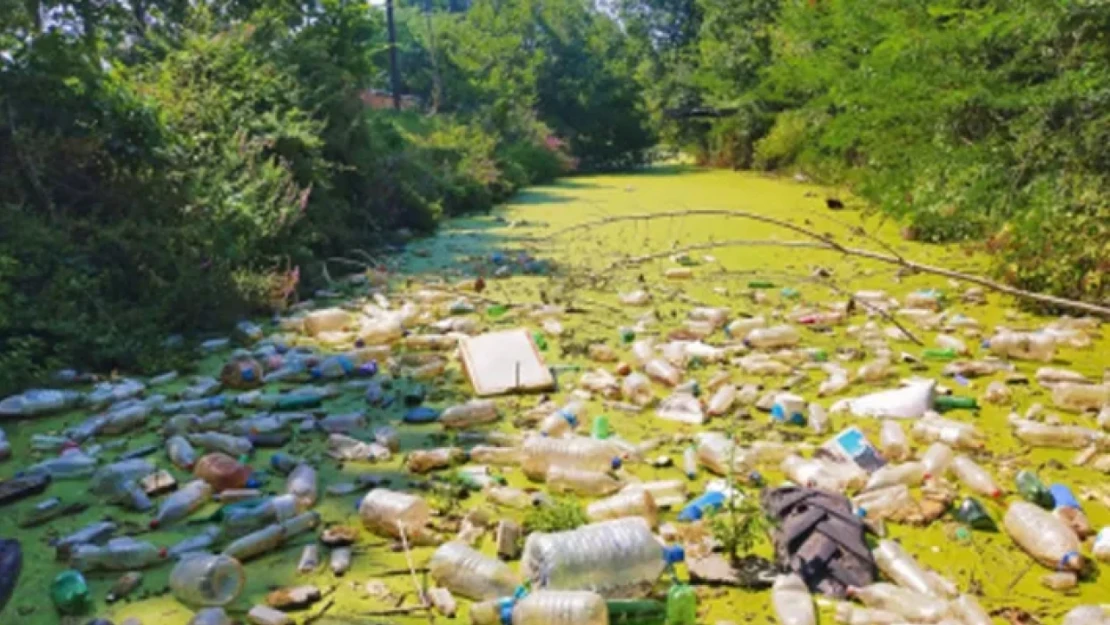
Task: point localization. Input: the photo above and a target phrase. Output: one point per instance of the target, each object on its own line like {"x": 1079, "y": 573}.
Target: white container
{"x": 624, "y": 504}
{"x": 464, "y": 571}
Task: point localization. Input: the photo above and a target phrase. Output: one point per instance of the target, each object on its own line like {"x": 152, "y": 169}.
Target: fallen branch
{"x": 831, "y": 244}
{"x": 397, "y": 611}
{"x": 638, "y": 260}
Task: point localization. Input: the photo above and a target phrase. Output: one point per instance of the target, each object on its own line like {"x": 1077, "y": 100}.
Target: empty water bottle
{"x": 570, "y": 479}
{"x": 892, "y": 441}
{"x": 302, "y": 484}
{"x": 182, "y": 503}
{"x": 974, "y": 477}
{"x": 119, "y": 554}
{"x": 626, "y": 503}
{"x": 71, "y": 465}
{"x": 907, "y": 473}
{"x": 773, "y": 337}
{"x": 936, "y": 459}
{"x": 1048, "y": 539}
{"x": 1022, "y": 345}
{"x": 914, "y": 606}
{"x": 539, "y": 453}
{"x": 205, "y": 579}
{"x": 37, "y": 402}
{"x": 791, "y": 600}
{"x": 119, "y": 483}
{"x": 471, "y": 413}
{"x": 611, "y": 557}
{"x": 214, "y": 441}
{"x": 181, "y": 453}
{"x": 464, "y": 571}
{"x": 383, "y": 511}
{"x": 901, "y": 567}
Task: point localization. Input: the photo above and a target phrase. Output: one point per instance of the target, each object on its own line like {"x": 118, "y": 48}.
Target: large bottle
{"x": 182, "y": 503}
{"x": 626, "y": 503}
{"x": 38, "y": 402}
{"x": 932, "y": 428}
{"x": 569, "y": 479}
{"x": 908, "y": 473}
{"x": 974, "y": 477}
{"x": 791, "y": 600}
{"x": 1022, "y": 345}
{"x": 1081, "y": 397}
{"x": 900, "y": 567}
{"x": 474, "y": 412}
{"x": 240, "y": 520}
{"x": 1048, "y": 539}
{"x": 204, "y": 579}
{"x": 614, "y": 557}
{"x": 215, "y": 441}
{"x": 73, "y": 464}
{"x": 539, "y": 453}
{"x": 118, "y": 483}
{"x": 773, "y": 337}
{"x": 119, "y": 554}
{"x": 544, "y": 607}
{"x": 636, "y": 388}
{"x": 916, "y": 607}
{"x": 222, "y": 472}
{"x": 383, "y": 511}
{"x": 462, "y": 570}
{"x": 937, "y": 459}
{"x": 302, "y": 484}
{"x": 1039, "y": 434}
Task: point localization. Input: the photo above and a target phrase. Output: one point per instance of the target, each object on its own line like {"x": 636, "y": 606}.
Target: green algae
{"x": 584, "y": 275}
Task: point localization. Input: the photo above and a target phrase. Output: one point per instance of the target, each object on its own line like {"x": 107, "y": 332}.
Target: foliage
{"x": 558, "y": 515}
{"x": 738, "y": 526}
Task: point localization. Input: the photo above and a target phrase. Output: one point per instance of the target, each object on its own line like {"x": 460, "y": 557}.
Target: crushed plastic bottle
{"x": 37, "y": 402}
{"x": 568, "y": 479}
{"x": 620, "y": 556}
{"x": 1022, "y": 346}
{"x": 383, "y": 511}
{"x": 182, "y": 503}
{"x": 974, "y": 477}
{"x": 539, "y": 453}
{"x": 792, "y": 602}
{"x": 882, "y": 502}
{"x": 464, "y": 571}
{"x": 1080, "y": 397}
{"x": 914, "y": 606}
{"x": 118, "y": 483}
{"x": 1048, "y": 539}
{"x": 118, "y": 554}
{"x": 682, "y": 408}
{"x": 204, "y": 579}
{"x": 627, "y": 503}
{"x": 932, "y": 428}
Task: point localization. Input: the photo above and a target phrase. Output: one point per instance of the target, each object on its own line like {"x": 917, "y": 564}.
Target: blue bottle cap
{"x": 315, "y": 373}
{"x": 777, "y": 413}
{"x": 505, "y": 610}
{"x": 570, "y": 418}
{"x": 690, "y": 514}
{"x": 616, "y": 463}
{"x": 673, "y": 554}
{"x": 861, "y": 512}
{"x": 253, "y": 482}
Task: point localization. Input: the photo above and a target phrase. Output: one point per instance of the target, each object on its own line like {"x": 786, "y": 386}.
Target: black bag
{"x": 818, "y": 537}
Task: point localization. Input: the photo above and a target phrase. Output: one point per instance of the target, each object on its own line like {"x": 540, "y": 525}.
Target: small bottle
{"x": 72, "y": 464}
{"x": 907, "y": 473}
{"x": 182, "y": 503}
{"x": 566, "y": 479}
{"x": 193, "y": 544}
{"x": 722, "y": 400}
{"x": 690, "y": 462}
{"x": 709, "y": 501}
{"x": 563, "y": 421}
{"x": 682, "y": 605}
{"x": 892, "y": 441}
{"x": 124, "y": 586}
{"x": 937, "y": 459}
{"x": 234, "y": 446}
{"x": 118, "y": 483}
{"x": 271, "y": 537}
{"x": 222, "y": 472}
{"x": 383, "y": 511}
{"x": 1066, "y": 508}
{"x": 181, "y": 453}
{"x": 1062, "y": 580}
{"x": 474, "y": 412}
{"x": 791, "y": 601}
{"x": 636, "y": 388}
{"x": 464, "y": 571}
{"x": 425, "y": 460}
{"x": 625, "y": 504}
{"x": 70, "y": 593}
{"x": 240, "y": 520}
{"x": 663, "y": 372}
{"x": 1032, "y": 489}
{"x": 500, "y": 456}
{"x": 772, "y": 338}
{"x": 900, "y": 566}
{"x": 339, "y": 561}
{"x": 972, "y": 513}
{"x": 1045, "y": 537}
{"x": 310, "y": 559}
{"x": 302, "y": 485}
{"x": 720, "y": 455}
{"x": 119, "y": 554}
{"x": 509, "y": 496}
{"x": 207, "y": 580}
{"x": 912, "y": 605}
{"x": 974, "y": 477}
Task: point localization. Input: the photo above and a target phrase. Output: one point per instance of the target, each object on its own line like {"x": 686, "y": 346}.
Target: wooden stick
{"x": 1094, "y": 309}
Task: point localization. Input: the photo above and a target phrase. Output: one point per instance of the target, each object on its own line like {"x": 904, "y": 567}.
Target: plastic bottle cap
{"x": 986, "y": 344}
{"x": 674, "y": 554}
{"x": 154, "y": 523}
{"x": 163, "y": 552}
{"x": 253, "y": 482}
{"x": 505, "y": 611}
{"x": 570, "y": 418}
{"x": 616, "y": 463}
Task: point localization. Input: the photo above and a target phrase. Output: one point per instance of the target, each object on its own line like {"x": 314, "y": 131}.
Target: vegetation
{"x": 559, "y": 515}
{"x": 974, "y": 120}
{"x": 169, "y": 166}
{"x": 738, "y": 526}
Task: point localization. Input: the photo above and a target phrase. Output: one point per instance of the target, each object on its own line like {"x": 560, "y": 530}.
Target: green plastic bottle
{"x": 600, "y": 429}
{"x": 1033, "y": 489}
{"x": 761, "y": 284}
{"x": 298, "y": 401}
{"x": 951, "y": 402}
{"x": 70, "y": 593}
{"x": 972, "y": 513}
{"x": 682, "y": 605}
{"x": 936, "y": 353}
{"x": 636, "y": 612}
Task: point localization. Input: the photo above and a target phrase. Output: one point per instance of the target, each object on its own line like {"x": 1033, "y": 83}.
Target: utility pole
{"x": 394, "y": 74}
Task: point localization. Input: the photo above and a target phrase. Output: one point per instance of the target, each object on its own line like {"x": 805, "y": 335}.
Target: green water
{"x": 591, "y": 268}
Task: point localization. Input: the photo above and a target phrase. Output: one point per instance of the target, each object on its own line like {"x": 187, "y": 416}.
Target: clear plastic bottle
{"x": 544, "y": 607}
{"x": 119, "y": 554}
{"x": 909, "y": 474}
{"x": 636, "y": 388}
{"x": 1022, "y": 345}
{"x": 510, "y": 497}
{"x": 773, "y": 337}
{"x": 382, "y": 510}
{"x": 1080, "y": 397}
{"x": 569, "y": 479}
{"x": 937, "y": 459}
{"x": 125, "y": 419}
{"x": 743, "y": 326}
{"x": 181, "y": 453}
{"x": 1101, "y": 547}
{"x": 947, "y": 341}
{"x": 881, "y": 503}
{"x": 1087, "y": 615}
{"x": 722, "y": 400}
{"x": 901, "y": 568}
{"x": 643, "y": 351}
{"x": 302, "y": 483}
{"x": 204, "y": 579}
{"x": 425, "y": 460}
{"x": 1039, "y": 434}
{"x": 500, "y": 456}
{"x": 73, "y": 464}
{"x": 214, "y": 441}
{"x": 837, "y": 381}
{"x": 681, "y": 407}
{"x": 620, "y": 556}
{"x": 563, "y": 421}
{"x": 584, "y": 453}
{"x": 38, "y": 401}
{"x": 968, "y": 610}
{"x": 914, "y": 606}
{"x": 600, "y": 352}
{"x": 464, "y": 571}
{"x": 848, "y": 614}
{"x": 792, "y": 602}
{"x": 182, "y": 503}
{"x": 196, "y": 543}
{"x": 635, "y": 298}
{"x": 1048, "y": 539}
{"x": 327, "y": 320}
{"x": 892, "y": 441}
{"x": 271, "y": 537}
{"x": 720, "y": 455}
{"x": 974, "y": 477}
{"x": 118, "y": 483}
{"x": 473, "y": 412}
{"x": 240, "y": 520}
{"x": 818, "y": 418}
{"x": 625, "y": 504}
{"x": 663, "y": 372}
{"x": 665, "y": 493}
{"x": 932, "y": 428}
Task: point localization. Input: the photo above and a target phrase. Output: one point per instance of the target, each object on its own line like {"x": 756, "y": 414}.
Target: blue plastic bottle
{"x": 695, "y": 510}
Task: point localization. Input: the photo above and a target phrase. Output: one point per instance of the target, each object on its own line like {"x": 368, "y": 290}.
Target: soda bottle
{"x": 972, "y": 513}
{"x": 682, "y": 605}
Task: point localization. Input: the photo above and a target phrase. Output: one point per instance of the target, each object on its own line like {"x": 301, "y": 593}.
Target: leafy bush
{"x": 559, "y": 515}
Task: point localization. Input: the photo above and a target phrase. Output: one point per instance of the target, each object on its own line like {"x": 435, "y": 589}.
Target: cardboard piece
{"x": 498, "y": 363}
{"x": 851, "y": 445}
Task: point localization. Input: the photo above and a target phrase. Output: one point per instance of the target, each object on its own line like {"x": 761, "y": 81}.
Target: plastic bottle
{"x": 1048, "y": 539}
{"x": 1101, "y": 548}
{"x": 35, "y": 402}
{"x": 544, "y": 607}
{"x": 326, "y": 320}
{"x": 501, "y": 456}
{"x": 772, "y": 338}
{"x": 722, "y": 400}
{"x": 50, "y": 443}
{"x": 620, "y": 555}
{"x": 972, "y": 513}
{"x": 383, "y": 510}
{"x": 1087, "y": 615}
{"x": 182, "y": 503}
{"x": 892, "y": 441}
{"x": 204, "y": 579}
{"x": 882, "y": 502}
{"x": 848, "y": 614}
{"x": 563, "y": 421}
{"x": 222, "y": 472}
{"x": 681, "y": 407}
{"x": 818, "y": 418}
{"x": 425, "y": 460}
{"x": 464, "y": 571}
{"x": 509, "y": 496}
{"x": 720, "y": 454}
{"x": 302, "y": 484}
{"x": 118, "y": 483}
{"x": 214, "y": 441}
{"x": 700, "y": 506}
{"x": 69, "y": 593}
{"x": 1080, "y": 397}
{"x": 1022, "y": 345}
{"x": 271, "y": 537}
{"x": 1066, "y": 508}
{"x": 900, "y": 567}
{"x": 569, "y": 479}
{"x": 119, "y": 554}
{"x": 663, "y": 372}
{"x": 1039, "y": 434}
{"x": 539, "y": 453}
{"x": 968, "y": 610}
{"x": 946, "y": 341}
{"x": 636, "y": 388}
{"x": 955, "y": 434}
{"x": 1032, "y": 489}
{"x": 196, "y": 543}
{"x": 72, "y": 464}
{"x": 5, "y": 447}
{"x": 471, "y": 413}
{"x": 907, "y": 473}
{"x": 690, "y": 462}
{"x": 626, "y": 503}
{"x": 974, "y": 477}
{"x": 181, "y": 453}
{"x": 916, "y": 607}
{"x": 242, "y": 520}
{"x": 791, "y": 601}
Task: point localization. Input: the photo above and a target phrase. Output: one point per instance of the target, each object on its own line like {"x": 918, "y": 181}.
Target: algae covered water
{"x": 529, "y": 257}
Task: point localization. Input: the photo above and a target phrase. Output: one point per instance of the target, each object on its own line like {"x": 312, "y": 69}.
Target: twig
{"x": 319, "y": 613}
{"x": 404, "y": 571}
{"x": 1017, "y": 578}
{"x": 397, "y": 611}
{"x": 1052, "y": 300}
{"x": 412, "y": 569}
{"x": 636, "y": 260}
